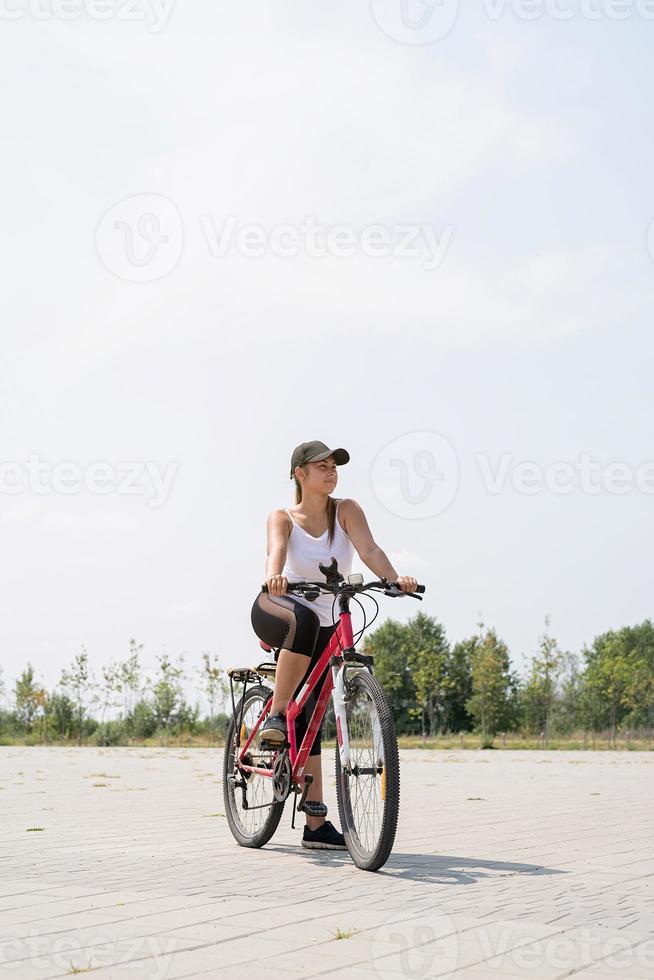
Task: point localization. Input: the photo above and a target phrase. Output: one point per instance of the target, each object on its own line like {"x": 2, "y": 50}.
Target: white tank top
{"x": 304, "y": 553}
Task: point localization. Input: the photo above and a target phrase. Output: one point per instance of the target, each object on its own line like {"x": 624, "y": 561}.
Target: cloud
{"x": 299, "y": 130}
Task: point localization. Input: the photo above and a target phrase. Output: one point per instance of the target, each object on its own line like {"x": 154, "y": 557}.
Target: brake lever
{"x": 394, "y": 593}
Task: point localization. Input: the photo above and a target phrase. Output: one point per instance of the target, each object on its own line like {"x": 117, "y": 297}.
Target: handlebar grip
{"x": 420, "y": 588}
{"x": 264, "y": 587}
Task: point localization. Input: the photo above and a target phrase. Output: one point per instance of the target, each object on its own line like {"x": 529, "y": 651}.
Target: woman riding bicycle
{"x": 300, "y": 627}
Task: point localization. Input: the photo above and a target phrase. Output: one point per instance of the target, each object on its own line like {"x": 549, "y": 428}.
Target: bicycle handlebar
{"x": 388, "y": 588}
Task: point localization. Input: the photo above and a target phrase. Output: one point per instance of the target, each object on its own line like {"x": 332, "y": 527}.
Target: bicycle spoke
{"x": 365, "y": 787}
{"x": 259, "y": 789}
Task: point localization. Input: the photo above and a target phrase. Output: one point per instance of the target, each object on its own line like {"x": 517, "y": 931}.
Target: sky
{"x": 413, "y": 229}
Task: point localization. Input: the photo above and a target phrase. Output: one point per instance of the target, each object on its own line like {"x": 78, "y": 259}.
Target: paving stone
{"x": 549, "y": 874}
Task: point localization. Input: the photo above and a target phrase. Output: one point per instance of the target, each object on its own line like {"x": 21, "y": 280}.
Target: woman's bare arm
{"x": 277, "y": 530}
{"x": 357, "y": 529}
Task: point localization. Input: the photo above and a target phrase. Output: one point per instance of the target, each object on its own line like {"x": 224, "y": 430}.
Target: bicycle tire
{"x": 233, "y": 812}
{"x": 362, "y": 688}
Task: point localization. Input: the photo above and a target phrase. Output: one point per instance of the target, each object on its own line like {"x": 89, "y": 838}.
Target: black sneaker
{"x": 325, "y": 838}
{"x": 274, "y": 730}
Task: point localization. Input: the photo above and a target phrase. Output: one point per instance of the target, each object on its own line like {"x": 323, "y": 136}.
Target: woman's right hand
{"x": 277, "y": 584}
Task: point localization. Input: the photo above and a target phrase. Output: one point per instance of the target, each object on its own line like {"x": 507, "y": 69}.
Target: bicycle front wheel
{"x": 368, "y": 789}
{"x": 254, "y": 823}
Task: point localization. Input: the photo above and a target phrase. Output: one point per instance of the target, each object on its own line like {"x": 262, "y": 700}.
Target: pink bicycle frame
{"x": 341, "y": 639}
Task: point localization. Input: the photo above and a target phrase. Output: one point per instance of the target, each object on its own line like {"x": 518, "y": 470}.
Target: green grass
{"x": 80, "y": 969}
{"x": 577, "y": 741}
{"x": 343, "y": 933}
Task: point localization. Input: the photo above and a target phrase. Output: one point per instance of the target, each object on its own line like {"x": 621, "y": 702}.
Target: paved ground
{"x": 524, "y": 864}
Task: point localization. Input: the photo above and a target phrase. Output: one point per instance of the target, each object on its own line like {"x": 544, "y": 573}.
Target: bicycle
{"x": 258, "y": 777}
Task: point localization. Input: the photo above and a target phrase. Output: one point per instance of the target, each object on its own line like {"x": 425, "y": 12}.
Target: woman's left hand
{"x": 406, "y": 583}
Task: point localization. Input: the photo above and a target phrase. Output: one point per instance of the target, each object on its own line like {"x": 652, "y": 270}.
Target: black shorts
{"x": 282, "y": 621}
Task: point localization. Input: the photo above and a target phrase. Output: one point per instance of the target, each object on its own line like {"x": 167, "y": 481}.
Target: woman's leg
{"x": 283, "y": 621}
{"x": 291, "y": 669}
{"x": 314, "y": 762}
{"x": 314, "y": 768}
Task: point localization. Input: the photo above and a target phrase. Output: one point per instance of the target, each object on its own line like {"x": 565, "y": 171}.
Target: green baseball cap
{"x": 313, "y": 452}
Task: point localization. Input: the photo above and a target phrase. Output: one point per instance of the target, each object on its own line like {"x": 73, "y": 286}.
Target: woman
{"x": 313, "y": 531}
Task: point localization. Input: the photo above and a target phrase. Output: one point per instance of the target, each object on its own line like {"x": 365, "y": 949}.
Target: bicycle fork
{"x": 338, "y": 676}
{"x": 340, "y": 713}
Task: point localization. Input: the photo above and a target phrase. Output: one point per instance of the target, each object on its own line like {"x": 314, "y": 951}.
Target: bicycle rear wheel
{"x": 252, "y": 826}
{"x": 368, "y": 790}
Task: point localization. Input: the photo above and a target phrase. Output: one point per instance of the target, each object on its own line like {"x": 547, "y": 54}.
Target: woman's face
{"x": 321, "y": 476}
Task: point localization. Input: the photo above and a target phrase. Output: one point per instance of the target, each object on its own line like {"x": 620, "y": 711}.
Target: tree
{"x": 638, "y": 645}
{"x": 78, "y": 683}
{"x": 141, "y": 722}
{"x": 425, "y": 649}
{"x": 539, "y": 694}
{"x": 569, "y": 708}
{"x": 459, "y": 692}
{"x": 167, "y": 690}
{"x": 111, "y": 687}
{"x": 214, "y": 686}
{"x": 129, "y": 677}
{"x": 492, "y": 704}
{"x": 30, "y": 698}
{"x": 60, "y": 715}
{"x": 616, "y": 678}
{"x": 392, "y": 669}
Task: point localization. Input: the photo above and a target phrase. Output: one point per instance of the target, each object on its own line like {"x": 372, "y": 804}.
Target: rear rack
{"x": 245, "y": 676}
{"x": 250, "y": 675}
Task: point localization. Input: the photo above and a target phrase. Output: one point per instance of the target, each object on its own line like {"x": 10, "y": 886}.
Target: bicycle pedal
{"x": 265, "y": 746}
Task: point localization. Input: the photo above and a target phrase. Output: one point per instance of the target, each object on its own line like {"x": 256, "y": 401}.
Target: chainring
{"x": 282, "y": 777}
